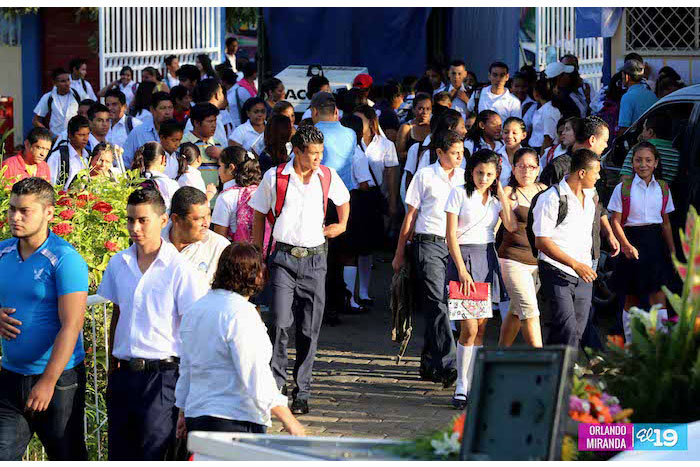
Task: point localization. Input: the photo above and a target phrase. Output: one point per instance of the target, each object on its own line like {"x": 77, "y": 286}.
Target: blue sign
{"x": 660, "y": 437}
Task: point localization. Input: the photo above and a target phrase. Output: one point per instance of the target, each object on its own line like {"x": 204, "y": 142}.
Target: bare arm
{"x": 606, "y": 229}
{"x": 391, "y": 135}
{"x": 628, "y": 249}
{"x": 401, "y": 141}
{"x": 289, "y": 421}
{"x": 71, "y": 313}
{"x": 258, "y": 229}
{"x": 409, "y": 223}
{"x": 668, "y": 235}
{"x": 333, "y": 230}
{"x": 103, "y": 91}
{"x": 507, "y": 216}
{"x": 222, "y": 229}
{"x": 453, "y": 246}
{"x": 36, "y": 121}
{"x": 547, "y": 246}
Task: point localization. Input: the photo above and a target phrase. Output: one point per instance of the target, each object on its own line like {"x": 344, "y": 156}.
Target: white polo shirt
{"x": 63, "y": 108}
{"x": 544, "y": 123}
{"x": 118, "y": 133}
{"x": 76, "y": 164}
{"x": 506, "y": 167}
{"x": 428, "y": 193}
{"x": 360, "y": 169}
{"x": 301, "y": 220}
{"x": 226, "y": 207}
{"x": 203, "y": 255}
{"x": 574, "y": 235}
{"x": 246, "y": 136}
{"x": 151, "y": 304}
{"x": 381, "y": 153}
{"x": 506, "y": 104}
{"x": 645, "y": 202}
{"x": 476, "y": 221}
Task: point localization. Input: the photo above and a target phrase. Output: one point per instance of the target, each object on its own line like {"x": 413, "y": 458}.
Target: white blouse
{"x": 645, "y": 202}
{"x": 193, "y": 178}
{"x": 476, "y": 221}
{"x": 246, "y": 136}
{"x": 544, "y": 123}
{"x": 226, "y": 207}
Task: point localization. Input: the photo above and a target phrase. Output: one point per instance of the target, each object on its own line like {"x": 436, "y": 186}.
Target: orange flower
{"x": 616, "y": 341}
{"x": 458, "y": 426}
{"x": 696, "y": 328}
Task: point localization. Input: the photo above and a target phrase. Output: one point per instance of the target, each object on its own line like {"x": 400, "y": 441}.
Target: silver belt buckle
{"x": 299, "y": 252}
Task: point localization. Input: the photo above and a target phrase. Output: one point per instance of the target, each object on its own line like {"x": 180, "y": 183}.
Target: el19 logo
{"x": 660, "y": 437}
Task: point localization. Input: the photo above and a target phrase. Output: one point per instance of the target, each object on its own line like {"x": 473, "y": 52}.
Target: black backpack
{"x": 47, "y": 118}
{"x": 63, "y": 165}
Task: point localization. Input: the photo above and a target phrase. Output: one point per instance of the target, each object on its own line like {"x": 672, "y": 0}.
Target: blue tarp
{"x": 390, "y": 42}
{"x": 597, "y": 22}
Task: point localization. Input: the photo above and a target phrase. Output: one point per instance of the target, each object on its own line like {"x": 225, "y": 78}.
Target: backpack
{"x": 47, "y": 118}
{"x": 244, "y": 217}
{"x": 282, "y": 183}
{"x": 421, "y": 149}
{"x": 527, "y": 107}
{"x": 561, "y": 215}
{"x": 129, "y": 124}
{"x": 626, "y": 192}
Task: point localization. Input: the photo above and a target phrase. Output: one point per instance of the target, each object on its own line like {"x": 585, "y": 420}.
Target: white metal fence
{"x": 141, "y": 37}
{"x": 556, "y": 36}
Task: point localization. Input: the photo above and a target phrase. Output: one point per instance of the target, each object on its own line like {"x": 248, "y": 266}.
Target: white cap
{"x": 554, "y": 69}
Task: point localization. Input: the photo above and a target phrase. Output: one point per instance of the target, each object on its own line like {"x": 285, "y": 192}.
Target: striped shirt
{"x": 669, "y": 160}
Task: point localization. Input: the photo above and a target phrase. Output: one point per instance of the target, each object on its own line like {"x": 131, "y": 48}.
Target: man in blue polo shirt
{"x": 339, "y": 145}
{"x": 43, "y": 292}
{"x": 638, "y": 97}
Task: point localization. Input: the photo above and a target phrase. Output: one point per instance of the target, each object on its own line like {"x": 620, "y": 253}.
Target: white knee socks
{"x": 349, "y": 276}
{"x": 466, "y": 354}
{"x": 364, "y": 265}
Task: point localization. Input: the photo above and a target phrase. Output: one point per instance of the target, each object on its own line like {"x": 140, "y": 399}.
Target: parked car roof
{"x": 684, "y": 94}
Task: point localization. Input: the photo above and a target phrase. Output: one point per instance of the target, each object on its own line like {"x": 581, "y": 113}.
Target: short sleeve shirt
{"x": 476, "y": 221}
{"x": 634, "y": 103}
{"x": 32, "y": 287}
{"x": 226, "y": 207}
{"x": 381, "y": 153}
{"x": 646, "y": 202}
{"x": 428, "y": 193}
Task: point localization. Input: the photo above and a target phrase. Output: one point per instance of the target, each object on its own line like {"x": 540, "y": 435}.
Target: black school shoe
{"x": 459, "y": 403}
{"x": 300, "y": 406}
{"x": 449, "y": 376}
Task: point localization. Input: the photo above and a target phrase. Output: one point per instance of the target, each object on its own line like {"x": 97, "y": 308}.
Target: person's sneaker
{"x": 459, "y": 401}
{"x": 300, "y": 406}
{"x": 449, "y": 376}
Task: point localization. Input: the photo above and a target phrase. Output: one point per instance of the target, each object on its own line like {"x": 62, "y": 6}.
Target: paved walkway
{"x": 359, "y": 390}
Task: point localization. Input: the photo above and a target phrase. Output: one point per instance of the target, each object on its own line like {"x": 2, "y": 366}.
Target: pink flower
{"x": 66, "y": 214}
{"x": 62, "y": 228}
{"x": 111, "y": 217}
{"x": 111, "y": 246}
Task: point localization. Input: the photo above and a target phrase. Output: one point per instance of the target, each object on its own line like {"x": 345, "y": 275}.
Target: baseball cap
{"x": 554, "y": 69}
{"x": 634, "y": 68}
{"x": 322, "y": 99}
{"x": 362, "y": 81}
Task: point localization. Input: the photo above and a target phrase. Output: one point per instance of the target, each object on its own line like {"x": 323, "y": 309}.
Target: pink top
{"x": 17, "y": 169}
{"x": 248, "y": 86}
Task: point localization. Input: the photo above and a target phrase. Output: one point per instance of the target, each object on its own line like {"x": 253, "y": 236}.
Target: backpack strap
{"x": 625, "y": 194}
{"x": 129, "y": 124}
{"x": 665, "y": 196}
{"x": 325, "y": 186}
{"x": 563, "y": 206}
{"x": 281, "y": 185}
{"x": 63, "y": 165}
{"x": 526, "y": 107}
{"x": 421, "y": 149}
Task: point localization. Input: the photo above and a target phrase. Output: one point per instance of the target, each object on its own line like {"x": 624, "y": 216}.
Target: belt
{"x": 142, "y": 364}
{"x": 428, "y": 238}
{"x": 300, "y": 251}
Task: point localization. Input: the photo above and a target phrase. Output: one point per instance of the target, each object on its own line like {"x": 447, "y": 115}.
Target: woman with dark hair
{"x": 189, "y": 158}
{"x": 102, "y": 161}
{"x": 513, "y": 134}
{"x": 286, "y": 109}
{"x": 240, "y": 176}
{"x": 610, "y": 109}
{"x": 125, "y": 84}
{"x": 473, "y": 210}
{"x": 272, "y": 90}
{"x": 241, "y": 92}
{"x": 544, "y": 121}
{"x": 142, "y": 101}
{"x": 152, "y": 75}
{"x": 182, "y": 98}
{"x": 416, "y": 130}
{"x": 278, "y": 134}
{"x": 250, "y": 135}
{"x": 518, "y": 265}
{"x": 225, "y": 382}
{"x": 203, "y": 63}
{"x": 150, "y": 160}
{"x": 485, "y": 133}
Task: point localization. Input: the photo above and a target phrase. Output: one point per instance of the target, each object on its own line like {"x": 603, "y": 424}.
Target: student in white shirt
{"x": 473, "y": 210}
{"x": 61, "y": 103}
{"x": 78, "y": 70}
{"x": 641, "y": 224}
{"x": 150, "y": 160}
{"x": 544, "y": 122}
{"x": 298, "y": 265}
{"x": 513, "y": 134}
{"x": 188, "y": 231}
{"x": 170, "y": 134}
{"x": 68, "y": 159}
{"x": 251, "y": 134}
{"x": 172, "y": 64}
{"x": 564, "y": 142}
{"x": 425, "y": 215}
{"x": 98, "y": 116}
{"x": 151, "y": 286}
{"x": 121, "y": 124}
{"x": 140, "y": 107}
{"x": 125, "y": 84}
{"x": 226, "y": 383}
{"x": 565, "y": 257}
{"x": 448, "y": 120}
{"x": 459, "y": 94}
{"x": 521, "y": 89}
{"x": 189, "y": 159}
{"x": 497, "y": 97}
{"x": 211, "y": 91}
{"x": 485, "y": 133}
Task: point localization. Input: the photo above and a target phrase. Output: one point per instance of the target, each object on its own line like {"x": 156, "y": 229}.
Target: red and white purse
{"x": 474, "y": 305}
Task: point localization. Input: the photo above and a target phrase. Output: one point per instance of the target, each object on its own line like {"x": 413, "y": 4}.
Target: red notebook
{"x": 481, "y": 294}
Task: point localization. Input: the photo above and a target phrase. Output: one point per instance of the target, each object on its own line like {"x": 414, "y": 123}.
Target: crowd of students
{"x": 241, "y": 208}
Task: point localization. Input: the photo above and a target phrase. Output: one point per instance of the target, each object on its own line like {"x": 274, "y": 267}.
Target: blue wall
{"x": 31, "y": 68}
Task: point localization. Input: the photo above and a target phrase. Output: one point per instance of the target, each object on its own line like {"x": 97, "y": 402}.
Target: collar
{"x": 155, "y": 173}
{"x": 529, "y": 99}
{"x": 439, "y": 171}
{"x": 289, "y": 169}
{"x": 375, "y": 140}
{"x": 165, "y": 235}
{"x": 450, "y": 87}
{"x": 165, "y": 254}
{"x": 638, "y": 180}
{"x": 565, "y": 189}
{"x": 196, "y": 139}
{"x": 73, "y": 153}
{"x": 505, "y": 92}
{"x": 122, "y": 121}
{"x": 230, "y": 184}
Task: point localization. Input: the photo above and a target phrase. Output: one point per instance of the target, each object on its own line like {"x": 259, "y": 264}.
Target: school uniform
{"x": 192, "y": 178}
{"x": 236, "y": 97}
{"x": 506, "y": 104}
{"x": 144, "y": 115}
{"x": 362, "y": 234}
{"x": 506, "y": 167}
{"x": 528, "y": 108}
{"x": 84, "y": 88}
{"x": 171, "y": 164}
{"x": 209, "y": 167}
{"x": 224, "y": 128}
{"x": 170, "y": 81}
{"x": 428, "y": 193}
{"x": 249, "y": 138}
{"x": 119, "y": 132}
{"x": 226, "y": 206}
{"x": 63, "y": 108}
{"x": 166, "y": 186}
{"x": 551, "y": 153}
{"x": 544, "y": 123}
{"x": 472, "y": 147}
{"x": 457, "y": 104}
{"x": 643, "y": 229}
{"x": 129, "y": 91}
{"x": 139, "y": 136}
{"x": 297, "y": 268}
{"x": 567, "y": 296}
{"x": 76, "y": 163}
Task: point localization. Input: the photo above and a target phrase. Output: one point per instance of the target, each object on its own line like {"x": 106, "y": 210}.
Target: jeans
{"x": 59, "y": 427}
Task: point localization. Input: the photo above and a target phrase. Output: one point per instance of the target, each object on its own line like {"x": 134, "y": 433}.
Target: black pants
{"x": 298, "y": 298}
{"x": 568, "y": 300}
{"x": 337, "y": 249}
{"x": 207, "y": 423}
{"x": 60, "y": 427}
{"x": 142, "y": 414}
{"x": 439, "y": 350}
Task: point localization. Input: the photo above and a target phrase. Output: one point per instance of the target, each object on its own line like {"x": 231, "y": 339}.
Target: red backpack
{"x": 282, "y": 183}
{"x": 626, "y": 193}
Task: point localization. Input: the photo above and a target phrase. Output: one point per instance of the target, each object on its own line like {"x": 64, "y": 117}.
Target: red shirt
{"x": 17, "y": 169}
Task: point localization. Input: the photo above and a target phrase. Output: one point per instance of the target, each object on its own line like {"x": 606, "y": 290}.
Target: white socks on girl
{"x": 466, "y": 354}
{"x": 349, "y": 276}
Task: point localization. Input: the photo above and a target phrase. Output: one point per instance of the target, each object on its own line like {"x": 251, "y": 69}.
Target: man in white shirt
{"x": 121, "y": 124}
{"x": 426, "y": 197}
{"x": 172, "y": 64}
{"x": 455, "y": 88}
{"x": 231, "y": 49}
{"x": 162, "y": 110}
{"x": 68, "y": 159}
{"x": 496, "y": 97}
{"x": 151, "y": 285}
{"x": 298, "y": 265}
{"x": 61, "y": 103}
{"x": 565, "y": 248}
{"x": 188, "y": 231}
{"x": 78, "y": 72}
{"x": 98, "y": 116}
{"x": 210, "y": 90}
{"x": 521, "y": 90}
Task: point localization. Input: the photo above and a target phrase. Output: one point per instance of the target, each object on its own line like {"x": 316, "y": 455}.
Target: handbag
{"x": 474, "y": 305}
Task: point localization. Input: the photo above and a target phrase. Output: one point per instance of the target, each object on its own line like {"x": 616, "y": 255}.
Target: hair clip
{"x": 250, "y": 155}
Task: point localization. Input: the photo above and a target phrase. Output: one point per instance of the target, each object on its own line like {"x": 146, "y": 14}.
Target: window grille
{"x": 663, "y": 30}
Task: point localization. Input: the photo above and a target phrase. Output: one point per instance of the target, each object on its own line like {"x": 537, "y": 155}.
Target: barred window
{"x": 663, "y": 29}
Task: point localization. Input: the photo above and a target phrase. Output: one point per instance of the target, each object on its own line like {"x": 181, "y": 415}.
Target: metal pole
{"x": 260, "y": 55}
{"x": 101, "y": 22}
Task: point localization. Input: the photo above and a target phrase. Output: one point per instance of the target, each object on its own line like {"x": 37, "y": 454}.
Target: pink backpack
{"x": 245, "y": 215}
